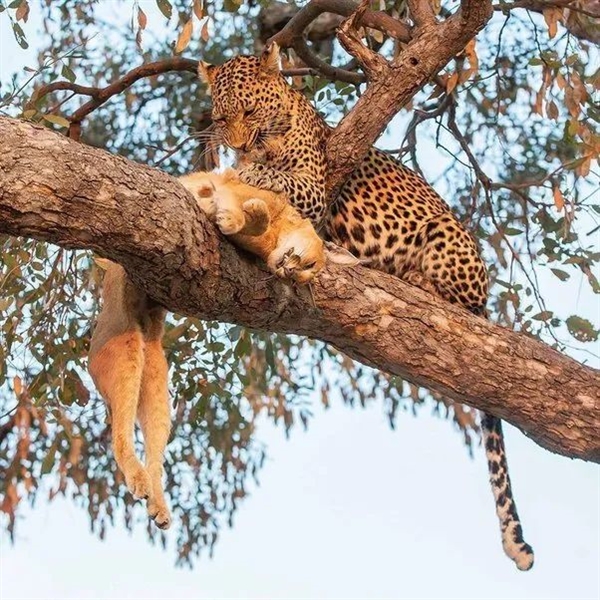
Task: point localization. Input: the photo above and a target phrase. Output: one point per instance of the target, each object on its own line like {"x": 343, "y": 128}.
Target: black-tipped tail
{"x": 512, "y": 534}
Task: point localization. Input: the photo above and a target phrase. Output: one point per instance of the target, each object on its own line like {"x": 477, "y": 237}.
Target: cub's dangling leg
{"x": 154, "y": 412}
{"x": 128, "y": 366}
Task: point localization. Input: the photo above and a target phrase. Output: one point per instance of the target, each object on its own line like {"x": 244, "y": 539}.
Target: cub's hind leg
{"x": 154, "y": 416}
{"x": 116, "y": 369}
{"x": 257, "y": 219}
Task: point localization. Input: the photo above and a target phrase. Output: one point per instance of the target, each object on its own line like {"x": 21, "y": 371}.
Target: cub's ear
{"x": 207, "y": 72}
{"x": 340, "y": 256}
{"x": 269, "y": 60}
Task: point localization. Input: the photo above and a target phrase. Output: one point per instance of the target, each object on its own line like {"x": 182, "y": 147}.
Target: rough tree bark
{"x": 57, "y": 190}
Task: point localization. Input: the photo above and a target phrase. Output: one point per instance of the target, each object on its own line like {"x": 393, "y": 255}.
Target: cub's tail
{"x": 512, "y": 534}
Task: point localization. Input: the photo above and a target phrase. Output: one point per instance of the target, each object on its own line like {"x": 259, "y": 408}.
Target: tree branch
{"x": 297, "y": 25}
{"x": 421, "y": 12}
{"x": 395, "y": 85}
{"x": 56, "y": 190}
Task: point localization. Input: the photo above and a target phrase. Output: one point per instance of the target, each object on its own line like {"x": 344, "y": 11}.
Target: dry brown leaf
{"x": 22, "y": 13}
{"x": 559, "y": 200}
{"x": 552, "y": 16}
{"x": 204, "y": 32}
{"x": 142, "y": 18}
{"x": 451, "y": 83}
{"x": 184, "y": 37}
{"x": 199, "y": 9}
{"x": 17, "y": 385}
{"x": 552, "y": 110}
{"x": 537, "y": 107}
{"x": 583, "y": 170}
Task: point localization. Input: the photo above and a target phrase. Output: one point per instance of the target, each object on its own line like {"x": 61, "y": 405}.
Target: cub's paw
{"x": 230, "y": 221}
{"x": 159, "y": 512}
{"x": 257, "y": 217}
{"x": 138, "y": 482}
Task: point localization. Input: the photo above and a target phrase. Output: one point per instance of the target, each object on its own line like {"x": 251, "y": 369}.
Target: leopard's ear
{"x": 269, "y": 60}
{"x": 340, "y": 256}
{"x": 207, "y": 72}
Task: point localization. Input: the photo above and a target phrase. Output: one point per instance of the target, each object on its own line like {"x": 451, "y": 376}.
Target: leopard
{"x": 126, "y": 359}
{"x": 386, "y": 215}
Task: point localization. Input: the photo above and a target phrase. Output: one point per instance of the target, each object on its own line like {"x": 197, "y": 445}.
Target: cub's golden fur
{"x": 265, "y": 224}
{"x": 127, "y": 361}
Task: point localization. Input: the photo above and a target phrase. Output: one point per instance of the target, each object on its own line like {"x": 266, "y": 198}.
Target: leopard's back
{"x": 388, "y": 215}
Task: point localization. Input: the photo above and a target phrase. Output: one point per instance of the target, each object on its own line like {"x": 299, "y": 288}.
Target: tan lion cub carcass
{"x": 265, "y": 224}
{"x": 126, "y": 359}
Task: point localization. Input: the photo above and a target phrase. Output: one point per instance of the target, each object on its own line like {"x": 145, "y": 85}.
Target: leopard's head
{"x": 249, "y": 97}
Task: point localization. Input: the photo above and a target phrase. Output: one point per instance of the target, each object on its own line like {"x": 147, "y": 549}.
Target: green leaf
{"x": 562, "y": 275}
{"x": 57, "y": 120}
{"x": 581, "y": 329}
{"x": 20, "y": 36}
{"x": 49, "y": 459}
{"x": 513, "y": 231}
{"x": 232, "y": 5}
{"x": 67, "y": 73}
{"x": 165, "y": 8}
{"x": 543, "y": 316}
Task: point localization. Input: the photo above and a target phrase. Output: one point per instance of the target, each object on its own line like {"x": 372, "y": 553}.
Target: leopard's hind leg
{"x": 448, "y": 257}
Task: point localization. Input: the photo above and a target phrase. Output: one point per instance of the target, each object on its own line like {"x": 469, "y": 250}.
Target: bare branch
{"x": 324, "y": 68}
{"x": 421, "y": 12}
{"x": 56, "y": 190}
{"x": 541, "y": 5}
{"x": 419, "y": 62}
{"x": 372, "y": 63}
{"x": 101, "y": 95}
{"x": 374, "y": 19}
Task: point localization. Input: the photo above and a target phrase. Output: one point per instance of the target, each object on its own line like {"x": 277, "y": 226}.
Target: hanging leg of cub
{"x": 116, "y": 361}
{"x": 154, "y": 413}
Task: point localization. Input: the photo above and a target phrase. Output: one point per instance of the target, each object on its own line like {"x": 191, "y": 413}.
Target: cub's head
{"x": 248, "y": 94}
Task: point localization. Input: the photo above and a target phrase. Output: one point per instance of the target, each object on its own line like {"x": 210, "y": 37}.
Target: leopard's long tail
{"x": 510, "y": 526}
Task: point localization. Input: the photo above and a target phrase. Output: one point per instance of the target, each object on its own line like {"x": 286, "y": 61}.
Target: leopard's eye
{"x": 218, "y": 119}
{"x": 311, "y": 265}
{"x": 249, "y": 111}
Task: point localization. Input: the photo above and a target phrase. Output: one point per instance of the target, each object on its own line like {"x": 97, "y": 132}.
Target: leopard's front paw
{"x": 254, "y": 174}
{"x": 230, "y": 221}
{"x": 261, "y": 177}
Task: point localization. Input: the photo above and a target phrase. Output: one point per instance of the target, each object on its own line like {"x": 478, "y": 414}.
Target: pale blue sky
{"x": 349, "y": 509}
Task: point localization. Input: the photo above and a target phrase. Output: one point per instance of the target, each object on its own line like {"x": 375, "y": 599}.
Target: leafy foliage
{"x": 516, "y": 117}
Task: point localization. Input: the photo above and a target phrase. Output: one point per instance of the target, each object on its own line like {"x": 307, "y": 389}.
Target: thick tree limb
{"x": 56, "y": 190}
{"x": 427, "y": 53}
